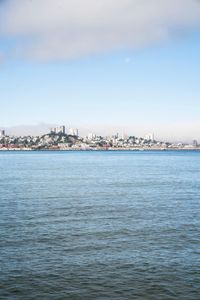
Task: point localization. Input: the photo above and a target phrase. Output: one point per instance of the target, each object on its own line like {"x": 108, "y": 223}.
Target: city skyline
{"x": 42, "y": 129}
{"x": 61, "y": 138}
{"x": 132, "y": 67}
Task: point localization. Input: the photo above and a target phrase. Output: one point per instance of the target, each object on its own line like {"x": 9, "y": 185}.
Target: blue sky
{"x": 134, "y": 89}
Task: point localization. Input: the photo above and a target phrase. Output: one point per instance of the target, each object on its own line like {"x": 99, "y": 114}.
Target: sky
{"x": 103, "y": 66}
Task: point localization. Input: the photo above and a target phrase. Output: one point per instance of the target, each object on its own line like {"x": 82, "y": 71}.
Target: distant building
{"x": 149, "y": 137}
{"x": 91, "y": 136}
{"x": 73, "y": 131}
{"x": 59, "y": 129}
{"x": 2, "y": 133}
{"x": 194, "y": 143}
{"x": 62, "y": 129}
{"x": 124, "y": 136}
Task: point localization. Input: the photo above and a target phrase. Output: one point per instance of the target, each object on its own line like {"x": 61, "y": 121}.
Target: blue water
{"x": 100, "y": 225}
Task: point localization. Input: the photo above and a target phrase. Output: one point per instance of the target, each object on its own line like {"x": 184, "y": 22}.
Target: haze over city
{"x": 101, "y": 66}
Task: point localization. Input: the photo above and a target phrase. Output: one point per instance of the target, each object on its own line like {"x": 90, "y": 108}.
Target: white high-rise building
{"x": 59, "y": 129}
{"x": 2, "y": 133}
{"x": 149, "y": 137}
{"x": 73, "y": 131}
{"x": 195, "y": 143}
{"x": 62, "y": 129}
{"x": 91, "y": 136}
{"x": 124, "y": 136}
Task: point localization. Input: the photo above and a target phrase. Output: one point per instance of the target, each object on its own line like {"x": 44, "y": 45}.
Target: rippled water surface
{"x": 99, "y": 225}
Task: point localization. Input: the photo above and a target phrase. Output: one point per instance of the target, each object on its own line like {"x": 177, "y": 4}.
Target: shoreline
{"x": 99, "y": 150}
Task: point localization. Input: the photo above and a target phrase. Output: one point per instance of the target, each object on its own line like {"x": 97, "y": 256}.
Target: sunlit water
{"x": 100, "y": 225}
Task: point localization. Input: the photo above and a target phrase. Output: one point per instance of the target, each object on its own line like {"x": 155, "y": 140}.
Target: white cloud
{"x": 67, "y": 29}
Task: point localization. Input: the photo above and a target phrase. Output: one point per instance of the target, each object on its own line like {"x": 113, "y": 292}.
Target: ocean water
{"x": 100, "y": 225}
